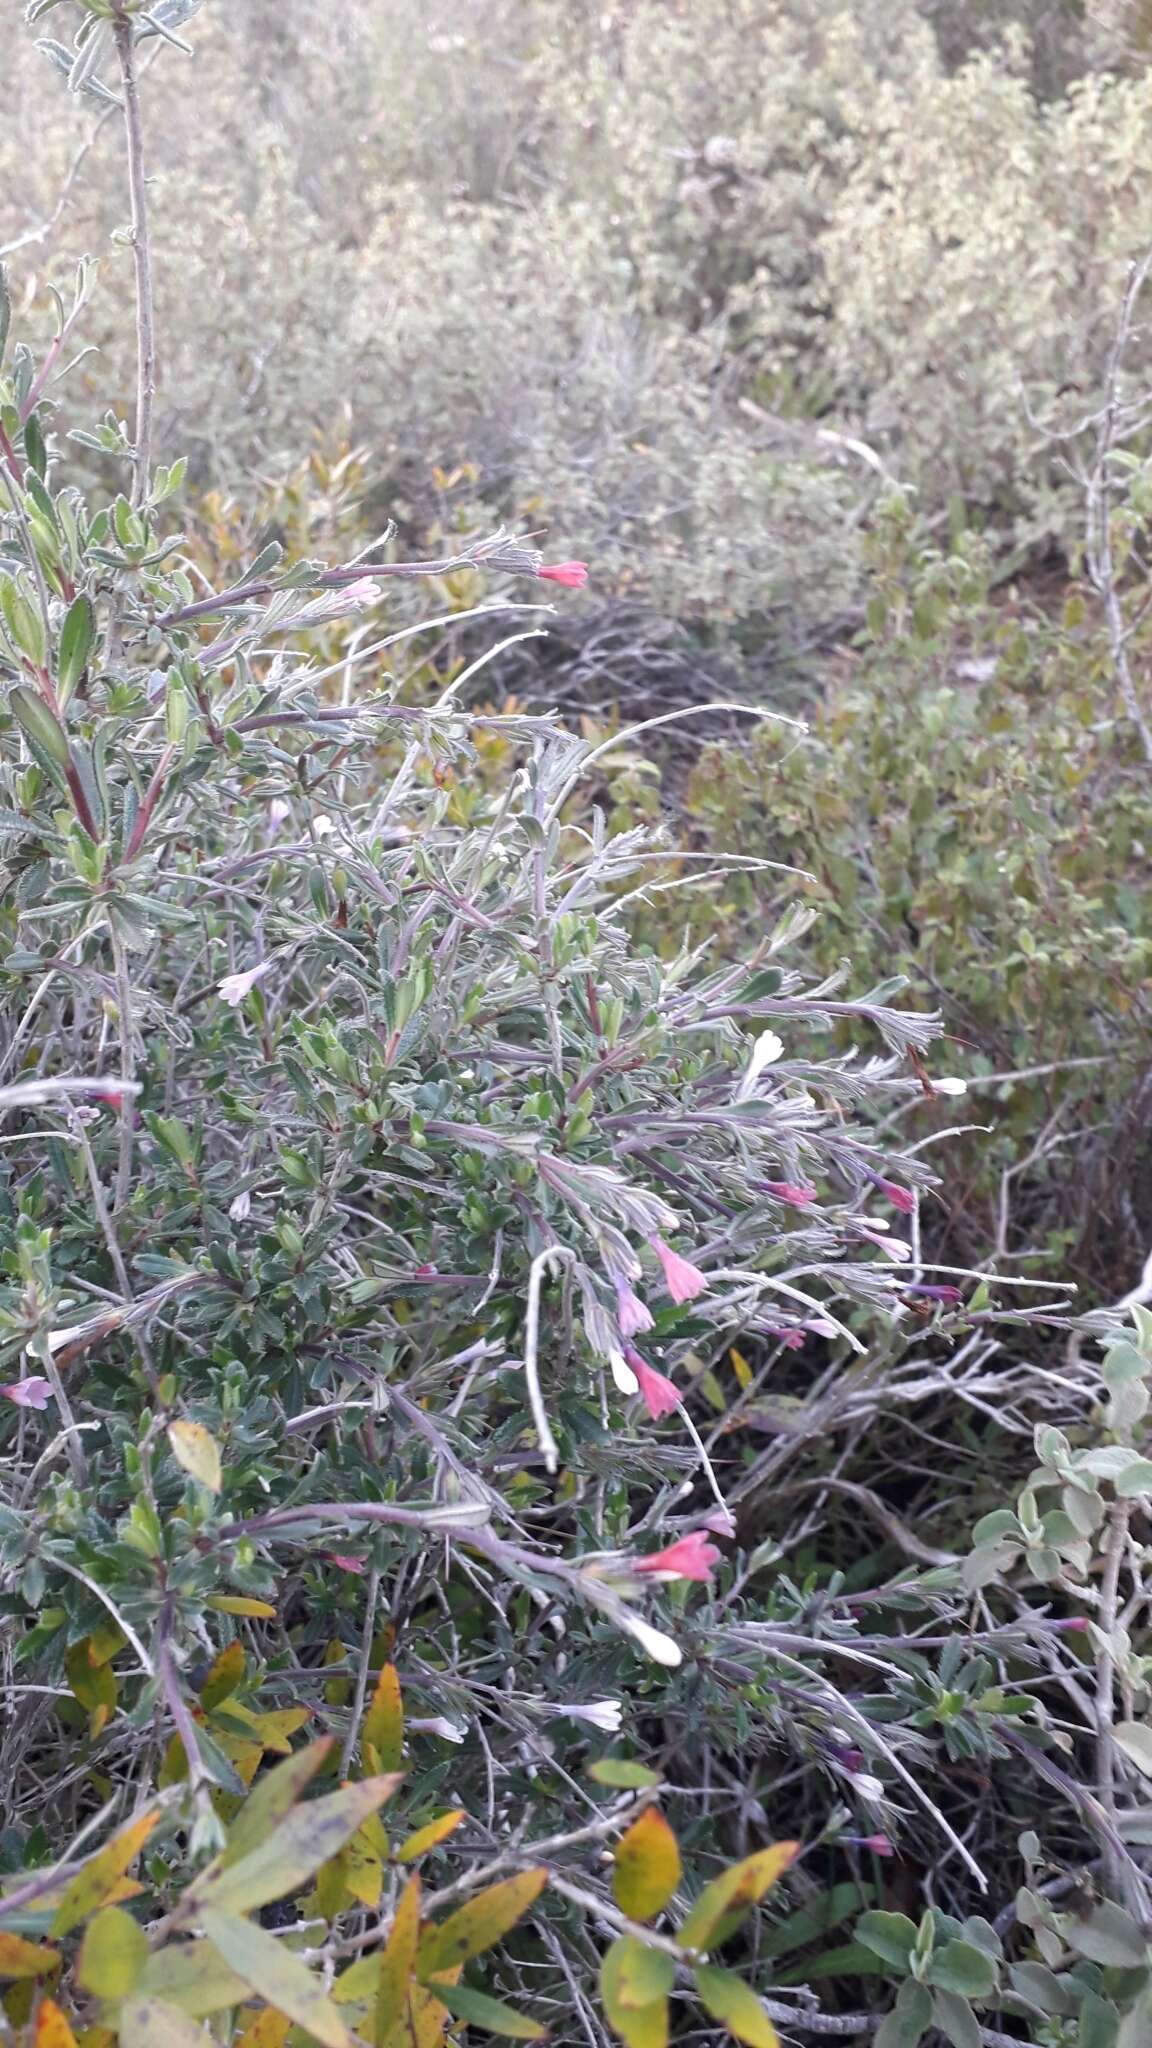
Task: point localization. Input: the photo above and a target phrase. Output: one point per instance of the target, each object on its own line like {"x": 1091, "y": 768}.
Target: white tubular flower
{"x": 234, "y": 987}
{"x": 951, "y": 1084}
{"x": 607, "y": 1715}
{"x": 661, "y": 1648}
{"x": 767, "y": 1049}
{"x": 622, "y": 1372}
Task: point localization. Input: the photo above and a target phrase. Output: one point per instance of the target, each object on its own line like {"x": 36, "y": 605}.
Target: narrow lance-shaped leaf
{"x": 480, "y": 1923}
{"x": 77, "y": 636}
{"x": 277, "y": 1975}
{"x": 722, "y": 1905}
{"x": 490, "y": 2013}
{"x": 728, "y": 1999}
{"x": 273, "y": 1797}
{"x": 293, "y": 1852}
{"x": 383, "y": 1731}
{"x": 94, "y": 1884}
{"x": 398, "y": 1960}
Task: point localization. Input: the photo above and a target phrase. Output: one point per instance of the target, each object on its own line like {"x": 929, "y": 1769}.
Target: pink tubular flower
{"x": 693, "y": 1557}
{"x": 658, "y": 1393}
{"x": 348, "y": 1564}
{"x": 631, "y": 1314}
{"x": 789, "y": 1191}
{"x": 30, "y": 1393}
{"x": 900, "y": 1198}
{"x": 573, "y": 575}
{"x": 879, "y": 1844}
{"x": 683, "y": 1280}
{"x": 934, "y": 1293}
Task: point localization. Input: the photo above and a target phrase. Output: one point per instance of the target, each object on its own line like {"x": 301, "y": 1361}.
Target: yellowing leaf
{"x": 338, "y": 1691}
{"x": 428, "y": 1837}
{"x": 398, "y": 1960}
{"x": 196, "y": 1449}
{"x": 268, "y": 2030}
{"x": 94, "y": 1884}
{"x": 275, "y": 1729}
{"x": 52, "y": 2029}
{"x": 723, "y": 1904}
{"x": 147, "y": 2023}
{"x": 224, "y": 1677}
{"x": 277, "y": 1975}
{"x": 295, "y": 1850}
{"x": 620, "y": 1771}
{"x": 736, "y": 2006}
{"x": 238, "y": 1603}
{"x": 480, "y": 1923}
{"x": 363, "y": 1870}
{"x": 740, "y": 1367}
{"x": 112, "y": 1954}
{"x": 384, "y": 1722}
{"x": 93, "y": 1683}
{"x": 647, "y": 1866}
{"x": 634, "y": 1985}
{"x": 20, "y": 1958}
{"x": 274, "y": 1796}
{"x": 191, "y": 1975}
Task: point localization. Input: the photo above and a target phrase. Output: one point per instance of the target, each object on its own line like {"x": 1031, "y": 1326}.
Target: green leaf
{"x": 76, "y": 639}
{"x": 647, "y": 1866}
{"x": 147, "y": 2023}
{"x": 112, "y": 1954}
{"x": 273, "y": 1796}
{"x": 191, "y": 1975}
{"x": 956, "y": 2020}
{"x": 728, "y": 1999}
{"x": 293, "y": 1852}
{"x": 278, "y": 1976}
{"x": 813, "y": 1922}
{"x": 723, "y": 1904}
{"x": 1135, "y": 1739}
{"x": 480, "y": 1923}
{"x": 490, "y": 2013}
{"x": 1135, "y": 1479}
{"x": 1106, "y": 1934}
{"x": 41, "y": 728}
{"x": 909, "y": 2019}
{"x": 892, "y": 1936}
{"x": 621, "y": 1773}
{"x": 961, "y": 1967}
{"x": 633, "y": 1977}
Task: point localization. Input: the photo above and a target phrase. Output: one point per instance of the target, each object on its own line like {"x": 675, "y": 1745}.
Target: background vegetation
{"x": 405, "y": 1015}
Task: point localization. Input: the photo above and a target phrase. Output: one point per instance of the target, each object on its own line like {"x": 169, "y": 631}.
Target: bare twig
{"x": 142, "y": 259}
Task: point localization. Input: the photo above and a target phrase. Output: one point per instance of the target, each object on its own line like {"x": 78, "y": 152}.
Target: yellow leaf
{"x": 398, "y": 1960}
{"x": 634, "y": 1985}
{"x": 224, "y": 1677}
{"x": 480, "y": 1923}
{"x": 384, "y": 1721}
{"x": 52, "y": 2029}
{"x": 647, "y": 1866}
{"x": 740, "y": 1367}
{"x": 294, "y": 1851}
{"x": 363, "y": 1871}
{"x": 20, "y": 1958}
{"x": 196, "y": 1449}
{"x": 331, "y": 1893}
{"x": 112, "y": 1954}
{"x": 94, "y": 1684}
{"x": 274, "y": 1796}
{"x": 269, "y": 2030}
{"x": 94, "y": 1884}
{"x": 275, "y": 1729}
{"x": 237, "y": 1603}
{"x": 428, "y": 1837}
{"x": 338, "y": 1691}
{"x": 723, "y": 1904}
{"x": 277, "y": 1975}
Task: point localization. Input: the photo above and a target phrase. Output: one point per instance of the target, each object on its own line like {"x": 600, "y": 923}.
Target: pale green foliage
{"x": 624, "y": 258}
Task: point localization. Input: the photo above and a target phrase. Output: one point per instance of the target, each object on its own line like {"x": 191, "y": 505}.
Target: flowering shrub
{"x": 383, "y": 1239}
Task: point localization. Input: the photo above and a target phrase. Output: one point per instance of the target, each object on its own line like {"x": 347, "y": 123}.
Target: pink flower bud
{"x": 348, "y": 1564}
{"x": 573, "y": 575}
{"x": 789, "y": 1191}
{"x": 900, "y": 1198}
{"x": 631, "y": 1313}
